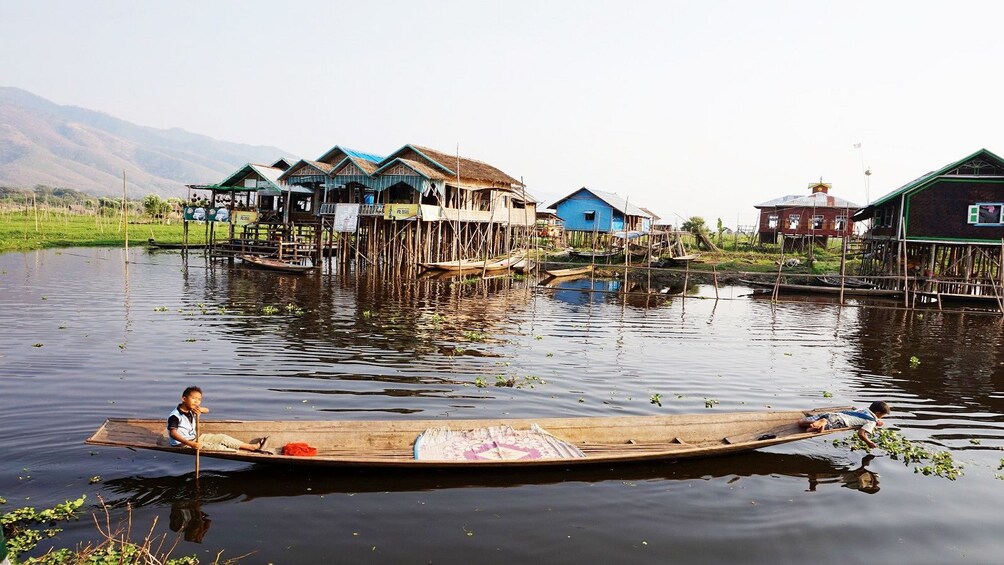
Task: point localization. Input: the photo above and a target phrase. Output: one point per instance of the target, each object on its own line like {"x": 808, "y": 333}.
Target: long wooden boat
{"x": 571, "y": 272}
{"x": 848, "y": 282}
{"x": 819, "y": 289}
{"x": 276, "y": 264}
{"x": 470, "y": 266}
{"x": 525, "y": 265}
{"x": 593, "y": 254}
{"x": 601, "y": 440}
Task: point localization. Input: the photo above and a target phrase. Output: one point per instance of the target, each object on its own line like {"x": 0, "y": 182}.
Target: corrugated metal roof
{"x": 330, "y": 155}
{"x": 613, "y": 199}
{"x": 814, "y": 200}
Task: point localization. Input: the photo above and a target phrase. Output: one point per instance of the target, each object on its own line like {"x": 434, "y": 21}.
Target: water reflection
{"x": 186, "y": 495}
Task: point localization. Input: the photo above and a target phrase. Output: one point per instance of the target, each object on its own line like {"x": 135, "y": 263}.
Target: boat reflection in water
{"x": 187, "y": 497}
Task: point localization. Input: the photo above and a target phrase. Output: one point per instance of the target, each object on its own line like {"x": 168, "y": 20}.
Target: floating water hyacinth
{"x": 938, "y": 463}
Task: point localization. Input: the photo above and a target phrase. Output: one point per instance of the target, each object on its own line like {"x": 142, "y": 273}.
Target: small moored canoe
{"x": 276, "y": 264}
{"x": 579, "y": 441}
{"x": 574, "y": 271}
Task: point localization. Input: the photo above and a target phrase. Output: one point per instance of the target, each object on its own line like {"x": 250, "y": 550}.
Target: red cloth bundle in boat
{"x": 299, "y": 450}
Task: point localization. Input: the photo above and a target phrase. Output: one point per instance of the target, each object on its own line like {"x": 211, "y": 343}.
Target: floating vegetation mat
{"x": 939, "y": 463}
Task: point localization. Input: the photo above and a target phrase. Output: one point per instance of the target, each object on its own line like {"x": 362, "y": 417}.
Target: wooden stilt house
{"x": 803, "y": 220}
{"x": 416, "y": 205}
{"x": 942, "y": 235}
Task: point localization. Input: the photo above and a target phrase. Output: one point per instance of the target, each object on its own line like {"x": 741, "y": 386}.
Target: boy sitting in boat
{"x": 181, "y": 428}
{"x": 865, "y": 420}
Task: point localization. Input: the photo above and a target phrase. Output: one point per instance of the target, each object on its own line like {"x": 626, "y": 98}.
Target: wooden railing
{"x": 516, "y": 216}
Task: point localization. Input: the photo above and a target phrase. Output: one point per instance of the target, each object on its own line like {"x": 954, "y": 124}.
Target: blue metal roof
{"x": 362, "y": 155}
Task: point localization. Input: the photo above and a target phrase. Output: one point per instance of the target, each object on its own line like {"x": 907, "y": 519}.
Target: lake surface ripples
{"x": 83, "y": 338}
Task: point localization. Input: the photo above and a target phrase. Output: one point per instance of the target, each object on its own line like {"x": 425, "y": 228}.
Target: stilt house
{"x": 942, "y": 233}
{"x": 804, "y": 219}
{"x": 592, "y": 217}
{"x": 415, "y": 205}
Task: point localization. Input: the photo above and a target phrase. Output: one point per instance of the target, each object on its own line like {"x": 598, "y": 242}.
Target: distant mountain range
{"x": 69, "y": 147}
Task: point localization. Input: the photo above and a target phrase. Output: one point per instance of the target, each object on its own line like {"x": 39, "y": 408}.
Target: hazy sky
{"x": 689, "y": 108}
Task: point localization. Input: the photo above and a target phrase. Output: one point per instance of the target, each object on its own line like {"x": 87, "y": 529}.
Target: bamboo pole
{"x": 198, "y": 445}
{"x": 125, "y": 215}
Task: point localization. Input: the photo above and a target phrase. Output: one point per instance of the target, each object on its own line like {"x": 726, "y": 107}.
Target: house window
{"x": 590, "y": 215}
{"x": 986, "y": 214}
{"x": 817, "y": 222}
{"x": 840, "y": 222}
{"x": 772, "y": 221}
{"x": 886, "y": 220}
{"x": 793, "y": 221}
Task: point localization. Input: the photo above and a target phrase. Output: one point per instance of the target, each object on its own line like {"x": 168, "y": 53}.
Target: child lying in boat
{"x": 864, "y": 420}
{"x": 181, "y": 428}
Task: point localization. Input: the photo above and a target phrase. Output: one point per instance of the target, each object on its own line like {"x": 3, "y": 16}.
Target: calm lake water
{"x": 82, "y": 338}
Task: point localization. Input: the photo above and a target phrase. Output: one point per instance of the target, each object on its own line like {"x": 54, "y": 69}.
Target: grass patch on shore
{"x": 26, "y": 231}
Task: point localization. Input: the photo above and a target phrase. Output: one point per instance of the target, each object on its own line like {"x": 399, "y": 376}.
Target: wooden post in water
{"x": 843, "y": 262}
{"x": 125, "y": 215}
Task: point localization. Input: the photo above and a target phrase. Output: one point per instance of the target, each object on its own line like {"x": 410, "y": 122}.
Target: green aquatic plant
{"x": 28, "y": 526}
{"x": 367, "y": 314}
{"x": 827, "y": 394}
{"x": 928, "y": 462}
{"x": 656, "y": 399}
{"x": 504, "y": 381}
{"x": 914, "y": 362}
{"x": 37, "y": 344}
{"x": 269, "y": 310}
{"x": 710, "y": 402}
{"x": 480, "y": 383}
{"x": 437, "y": 318}
{"x": 471, "y": 335}
{"x": 160, "y": 309}
{"x": 294, "y": 309}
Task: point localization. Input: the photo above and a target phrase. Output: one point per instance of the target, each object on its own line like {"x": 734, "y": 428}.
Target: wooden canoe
{"x": 819, "y": 289}
{"x": 276, "y": 264}
{"x": 574, "y": 271}
{"x": 387, "y": 444}
{"x": 468, "y": 266}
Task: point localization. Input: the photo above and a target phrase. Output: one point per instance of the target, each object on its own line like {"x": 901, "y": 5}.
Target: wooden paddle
{"x": 197, "y": 444}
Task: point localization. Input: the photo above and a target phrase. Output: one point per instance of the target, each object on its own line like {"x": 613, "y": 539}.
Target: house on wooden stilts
{"x": 804, "y": 220}
{"x": 603, "y": 220}
{"x": 942, "y": 235}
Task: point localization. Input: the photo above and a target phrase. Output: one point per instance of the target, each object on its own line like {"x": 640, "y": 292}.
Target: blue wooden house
{"x": 596, "y": 211}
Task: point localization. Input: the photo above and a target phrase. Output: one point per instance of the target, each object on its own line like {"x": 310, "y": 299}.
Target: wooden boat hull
{"x": 275, "y": 264}
{"x": 390, "y": 444}
{"x": 575, "y": 271}
{"x": 465, "y": 266}
{"x": 814, "y": 289}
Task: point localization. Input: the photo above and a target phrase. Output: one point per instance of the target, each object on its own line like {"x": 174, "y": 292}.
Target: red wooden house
{"x": 804, "y": 219}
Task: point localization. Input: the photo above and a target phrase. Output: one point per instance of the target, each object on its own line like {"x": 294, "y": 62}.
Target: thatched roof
{"x": 264, "y": 172}
{"x": 470, "y": 169}
{"x": 323, "y": 168}
{"x": 367, "y": 167}
{"x": 420, "y": 168}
